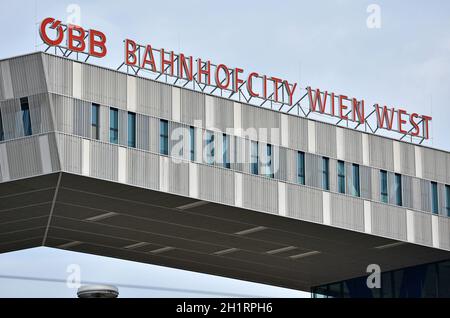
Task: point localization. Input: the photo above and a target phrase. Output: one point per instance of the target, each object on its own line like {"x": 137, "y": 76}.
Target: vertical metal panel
{"x": 388, "y": 221}
{"x": 40, "y": 113}
{"x": 104, "y": 160}
{"x": 153, "y": 98}
{"x": 143, "y": 169}
{"x": 282, "y": 171}
{"x": 59, "y": 74}
{"x": 425, "y": 195}
{"x": 6, "y": 90}
{"x": 347, "y": 212}
{"x": 407, "y": 159}
{"x": 192, "y": 107}
{"x": 216, "y": 184}
{"x": 298, "y": 133}
{"x": 375, "y": 184}
{"x": 381, "y": 152}
{"x": 27, "y": 75}
{"x": 434, "y": 164}
{"x": 54, "y": 152}
{"x": 260, "y": 193}
{"x": 177, "y": 140}
{"x": 104, "y": 123}
{"x": 366, "y": 182}
{"x": 266, "y": 122}
{"x": 444, "y": 233}
{"x": 304, "y": 203}
{"x": 12, "y": 119}
{"x": 142, "y": 132}
{"x": 442, "y": 200}
{"x": 313, "y": 169}
{"x": 179, "y": 177}
{"x": 81, "y": 118}
{"x": 407, "y": 191}
{"x": 416, "y": 192}
{"x": 441, "y": 166}
{"x": 326, "y": 139}
{"x": 70, "y": 152}
{"x": 422, "y": 228}
{"x": 63, "y": 112}
{"x": 348, "y": 178}
{"x": 123, "y": 128}
{"x": 223, "y": 114}
{"x": 24, "y": 158}
{"x": 291, "y": 165}
{"x": 154, "y": 134}
{"x": 353, "y": 146}
{"x": 391, "y": 187}
{"x": 333, "y": 175}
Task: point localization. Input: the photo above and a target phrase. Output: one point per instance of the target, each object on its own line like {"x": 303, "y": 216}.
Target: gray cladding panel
{"x": 389, "y": 221}
{"x": 444, "y": 233}
{"x": 407, "y": 159}
{"x": 260, "y": 193}
{"x": 153, "y": 98}
{"x": 70, "y": 152}
{"x": 304, "y": 203}
{"x": 216, "y": 184}
{"x": 422, "y": 228}
{"x": 27, "y": 75}
{"x": 266, "y": 123}
{"x": 104, "y": 160}
{"x": 178, "y": 177}
{"x": 347, "y": 212}
{"x": 353, "y": 146}
{"x": 381, "y": 152}
{"x": 326, "y": 139}
{"x": 298, "y": 133}
{"x": 223, "y": 114}
{"x": 24, "y": 158}
{"x": 192, "y": 107}
{"x": 59, "y": 74}
{"x": 143, "y": 169}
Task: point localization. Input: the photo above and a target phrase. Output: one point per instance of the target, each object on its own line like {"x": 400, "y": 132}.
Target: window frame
{"x": 113, "y": 131}
{"x": 341, "y": 177}
{"x": 164, "y": 137}
{"x": 301, "y": 170}
{"x": 131, "y": 142}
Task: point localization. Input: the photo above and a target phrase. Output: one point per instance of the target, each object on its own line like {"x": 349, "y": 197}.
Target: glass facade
{"x": 398, "y": 189}
{"x": 268, "y": 164}
{"x": 325, "y": 173}
{"x": 132, "y": 130}
{"x": 341, "y": 176}
{"x": 434, "y": 198}
{"x": 113, "y": 125}
{"x": 384, "y": 196}
{"x": 301, "y": 167}
{"x": 192, "y": 143}
{"x": 226, "y": 151}
{"x": 254, "y": 158}
{"x": 355, "y": 181}
{"x": 209, "y": 147}
{"x": 163, "y": 137}
{"x": 95, "y": 120}
{"x": 26, "y": 120}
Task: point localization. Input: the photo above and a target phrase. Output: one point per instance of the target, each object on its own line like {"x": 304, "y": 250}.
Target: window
{"x": 341, "y": 177}
{"x": 2, "y": 134}
{"x": 131, "y": 130}
{"x": 268, "y": 164}
{"x": 301, "y": 167}
{"x": 383, "y": 186}
{"x": 447, "y": 194}
{"x": 210, "y": 147}
{"x": 26, "y": 121}
{"x": 434, "y": 198}
{"x": 192, "y": 142}
{"x": 95, "y": 121}
{"x": 226, "y": 151}
{"x": 325, "y": 173}
{"x": 398, "y": 189}
{"x": 163, "y": 137}
{"x": 113, "y": 125}
{"x": 254, "y": 157}
{"x": 355, "y": 183}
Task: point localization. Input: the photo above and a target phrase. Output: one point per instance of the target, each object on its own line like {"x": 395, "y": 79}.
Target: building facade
{"x": 103, "y": 162}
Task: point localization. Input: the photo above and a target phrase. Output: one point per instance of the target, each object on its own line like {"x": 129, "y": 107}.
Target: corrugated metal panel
{"x": 425, "y": 189}
{"x": 123, "y": 128}
{"x": 422, "y": 228}
{"x": 81, "y": 118}
{"x": 59, "y": 74}
{"x": 104, "y": 86}
{"x": 12, "y": 119}
{"x": 142, "y": 132}
{"x": 192, "y": 107}
{"x": 27, "y": 75}
{"x": 313, "y": 170}
{"x": 416, "y": 194}
{"x": 104, "y": 123}
{"x": 381, "y": 152}
{"x": 348, "y": 178}
{"x": 54, "y": 152}
{"x": 444, "y": 233}
{"x": 260, "y": 193}
{"x": 24, "y": 157}
{"x": 263, "y": 121}
{"x": 388, "y": 221}
{"x": 304, "y": 203}
{"x": 333, "y": 175}
{"x": 64, "y": 112}
{"x": 298, "y": 133}
{"x": 353, "y": 146}
{"x": 40, "y": 113}
{"x": 6, "y": 90}
{"x": 281, "y": 173}
{"x": 179, "y": 140}
{"x": 391, "y": 187}
{"x": 143, "y": 169}
{"x": 407, "y": 159}
{"x": 326, "y": 139}
{"x": 153, "y": 98}
{"x": 291, "y": 165}
{"x": 347, "y": 212}
{"x": 434, "y": 164}
{"x": 104, "y": 160}
{"x": 216, "y": 184}
{"x": 408, "y": 194}
{"x": 442, "y": 200}
{"x": 70, "y": 152}
{"x": 179, "y": 177}
{"x": 223, "y": 114}
{"x": 154, "y": 134}
{"x": 366, "y": 182}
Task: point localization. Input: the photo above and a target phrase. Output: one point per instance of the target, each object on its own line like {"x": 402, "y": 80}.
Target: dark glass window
{"x": 447, "y": 194}
{"x": 132, "y": 130}
{"x": 301, "y": 167}
{"x": 192, "y": 142}
{"x": 210, "y": 151}
{"x": 113, "y": 125}
{"x": 384, "y": 186}
{"x": 226, "y": 151}
{"x": 26, "y": 120}
{"x": 163, "y": 137}
{"x": 268, "y": 165}
{"x": 341, "y": 176}
{"x": 2, "y": 134}
{"x": 254, "y": 159}
{"x": 434, "y": 198}
{"x": 95, "y": 110}
{"x": 325, "y": 173}
{"x": 355, "y": 184}
{"x": 398, "y": 189}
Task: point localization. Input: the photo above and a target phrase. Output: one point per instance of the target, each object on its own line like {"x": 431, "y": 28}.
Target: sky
{"x": 401, "y": 59}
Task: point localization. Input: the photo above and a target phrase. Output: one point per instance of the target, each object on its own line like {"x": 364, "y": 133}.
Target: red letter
{"x": 317, "y": 96}
{"x": 130, "y": 53}
{"x": 342, "y": 107}
{"x": 206, "y": 72}
{"x": 358, "y": 108}
{"x": 401, "y": 121}
{"x": 416, "y": 130}
{"x": 276, "y": 81}
{"x": 227, "y": 76}
{"x": 290, "y": 91}
{"x": 165, "y": 62}
{"x": 426, "y": 119}
{"x": 332, "y": 104}
{"x": 265, "y": 86}
{"x": 151, "y": 60}
{"x": 385, "y": 117}
{"x": 237, "y": 80}
{"x": 101, "y": 43}
{"x": 250, "y": 84}
{"x": 79, "y": 38}
{"x": 182, "y": 66}
{"x": 56, "y": 24}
